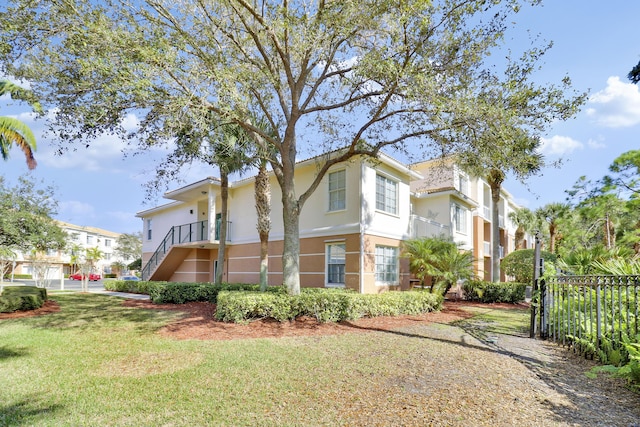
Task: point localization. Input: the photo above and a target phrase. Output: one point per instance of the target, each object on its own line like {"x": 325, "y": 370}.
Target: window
{"x": 335, "y": 263}
{"x": 463, "y": 183}
{"x": 459, "y": 219}
{"x": 337, "y": 190}
{"x": 89, "y": 240}
{"x": 148, "y": 229}
{"x": 386, "y": 264}
{"x": 107, "y": 243}
{"x": 386, "y": 195}
{"x": 107, "y": 256}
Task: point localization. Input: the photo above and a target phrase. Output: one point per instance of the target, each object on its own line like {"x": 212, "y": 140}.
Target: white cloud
{"x": 76, "y": 212}
{"x": 559, "y": 145}
{"x": 618, "y": 105}
{"x": 597, "y": 143}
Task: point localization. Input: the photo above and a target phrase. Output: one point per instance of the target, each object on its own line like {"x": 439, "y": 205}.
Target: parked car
{"x": 92, "y": 277}
{"x": 130, "y": 278}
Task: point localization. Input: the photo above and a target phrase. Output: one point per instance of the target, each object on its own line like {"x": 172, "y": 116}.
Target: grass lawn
{"x": 97, "y": 363}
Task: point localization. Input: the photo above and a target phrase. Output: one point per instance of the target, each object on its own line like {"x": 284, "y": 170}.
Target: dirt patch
{"x": 50, "y": 306}
{"x": 199, "y": 322}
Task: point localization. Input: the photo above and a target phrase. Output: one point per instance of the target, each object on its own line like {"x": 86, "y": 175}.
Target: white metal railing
{"x": 424, "y": 227}
{"x": 486, "y": 212}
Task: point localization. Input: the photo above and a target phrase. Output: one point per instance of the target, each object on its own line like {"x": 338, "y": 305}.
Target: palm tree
{"x": 263, "y": 210}
{"x": 91, "y": 256}
{"x": 524, "y": 220}
{"x": 230, "y": 155}
{"x": 440, "y": 259}
{"x": 13, "y": 131}
{"x": 551, "y": 213}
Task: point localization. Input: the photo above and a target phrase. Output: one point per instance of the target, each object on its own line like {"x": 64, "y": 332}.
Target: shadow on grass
{"x": 7, "y": 353}
{"x": 83, "y": 311}
{"x": 19, "y": 413}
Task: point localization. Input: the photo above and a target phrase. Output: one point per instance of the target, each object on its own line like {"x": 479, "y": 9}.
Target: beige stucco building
{"x": 351, "y": 228}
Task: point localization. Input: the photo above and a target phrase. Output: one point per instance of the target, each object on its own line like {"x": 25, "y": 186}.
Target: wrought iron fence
{"x": 586, "y": 310}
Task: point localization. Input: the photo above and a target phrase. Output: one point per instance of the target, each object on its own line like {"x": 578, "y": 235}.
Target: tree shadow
{"x": 17, "y": 414}
{"x": 85, "y": 311}
{"x": 7, "y": 353}
{"x": 588, "y": 401}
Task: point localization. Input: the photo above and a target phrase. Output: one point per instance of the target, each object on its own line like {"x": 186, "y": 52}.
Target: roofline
{"x": 155, "y": 209}
{"x": 87, "y": 228}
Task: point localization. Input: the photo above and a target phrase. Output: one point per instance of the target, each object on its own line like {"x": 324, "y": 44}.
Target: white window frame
{"x": 89, "y": 240}
{"x": 107, "y": 243}
{"x": 330, "y": 259}
{"x": 384, "y": 187}
{"x": 149, "y": 229}
{"x": 459, "y": 218}
{"x": 387, "y": 265}
{"x": 340, "y": 192}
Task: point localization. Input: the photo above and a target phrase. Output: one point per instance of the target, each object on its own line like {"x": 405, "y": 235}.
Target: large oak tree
{"x": 356, "y": 75}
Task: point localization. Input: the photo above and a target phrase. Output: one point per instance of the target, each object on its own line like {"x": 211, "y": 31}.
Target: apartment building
{"x": 351, "y": 228}
{"x": 59, "y": 262}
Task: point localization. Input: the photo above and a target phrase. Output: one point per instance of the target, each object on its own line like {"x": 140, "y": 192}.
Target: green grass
{"x": 488, "y": 320}
{"x": 99, "y": 363}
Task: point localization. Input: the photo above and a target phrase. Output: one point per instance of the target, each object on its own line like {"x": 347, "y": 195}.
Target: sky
{"x": 594, "y": 43}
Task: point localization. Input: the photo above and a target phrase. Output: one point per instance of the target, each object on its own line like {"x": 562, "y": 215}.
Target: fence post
{"x": 534, "y": 288}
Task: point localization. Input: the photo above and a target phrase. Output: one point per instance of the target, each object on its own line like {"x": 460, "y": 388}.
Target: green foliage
{"x": 440, "y": 259}
{"x": 490, "y": 292}
{"x": 26, "y": 217}
{"x": 519, "y": 264}
{"x": 14, "y": 298}
{"x": 129, "y": 246}
{"x": 180, "y": 293}
{"x": 325, "y": 305}
{"x": 20, "y": 276}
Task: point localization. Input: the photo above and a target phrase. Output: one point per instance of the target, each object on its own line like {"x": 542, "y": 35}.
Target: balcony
{"x": 423, "y": 227}
{"x": 487, "y": 250}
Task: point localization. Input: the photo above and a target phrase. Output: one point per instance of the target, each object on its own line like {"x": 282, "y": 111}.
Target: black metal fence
{"x": 588, "y": 310}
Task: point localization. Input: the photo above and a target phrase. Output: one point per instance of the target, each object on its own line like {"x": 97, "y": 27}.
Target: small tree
{"x": 440, "y": 259}
{"x": 7, "y": 258}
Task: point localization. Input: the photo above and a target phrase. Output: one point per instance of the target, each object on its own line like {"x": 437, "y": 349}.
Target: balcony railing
{"x": 487, "y": 250}
{"x": 181, "y": 234}
{"x": 423, "y": 227}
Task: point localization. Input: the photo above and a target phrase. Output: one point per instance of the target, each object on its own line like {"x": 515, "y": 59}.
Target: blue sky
{"x": 595, "y": 43}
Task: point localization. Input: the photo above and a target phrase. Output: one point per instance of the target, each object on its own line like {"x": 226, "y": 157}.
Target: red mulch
{"x": 198, "y": 321}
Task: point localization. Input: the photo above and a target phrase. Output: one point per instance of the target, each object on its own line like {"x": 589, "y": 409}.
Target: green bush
{"x": 326, "y": 305}
{"x": 489, "y": 292}
{"x": 133, "y": 286}
{"x": 180, "y": 293}
{"x": 240, "y": 306}
{"x": 14, "y": 298}
{"x": 519, "y": 264}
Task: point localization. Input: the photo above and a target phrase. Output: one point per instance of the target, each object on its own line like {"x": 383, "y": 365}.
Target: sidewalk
{"x": 120, "y": 294}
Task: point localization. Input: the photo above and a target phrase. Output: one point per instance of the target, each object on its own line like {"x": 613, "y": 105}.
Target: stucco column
{"x": 212, "y": 214}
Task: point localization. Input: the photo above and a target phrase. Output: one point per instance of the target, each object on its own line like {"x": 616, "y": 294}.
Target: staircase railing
{"x": 186, "y": 233}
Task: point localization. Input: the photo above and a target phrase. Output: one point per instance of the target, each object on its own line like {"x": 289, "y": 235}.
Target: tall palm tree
{"x": 524, "y": 220}
{"x": 13, "y": 131}
{"x": 230, "y": 154}
{"x": 551, "y": 213}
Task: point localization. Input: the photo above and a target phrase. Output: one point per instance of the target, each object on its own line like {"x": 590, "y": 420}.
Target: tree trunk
{"x": 552, "y": 237}
{"x": 222, "y": 234}
{"x": 495, "y": 179}
{"x": 290, "y": 215}
{"x": 263, "y": 210}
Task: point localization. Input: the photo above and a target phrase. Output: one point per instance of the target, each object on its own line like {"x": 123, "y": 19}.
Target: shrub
{"x": 180, "y": 292}
{"x": 519, "y": 264}
{"x": 14, "y": 298}
{"x": 489, "y": 292}
{"x": 240, "y": 306}
{"x": 133, "y": 286}
{"x": 326, "y": 305}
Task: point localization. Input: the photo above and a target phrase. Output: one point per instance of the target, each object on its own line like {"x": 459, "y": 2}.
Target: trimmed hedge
{"x": 22, "y": 298}
{"x": 133, "y": 286}
{"x": 489, "y": 292}
{"x": 326, "y": 305}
